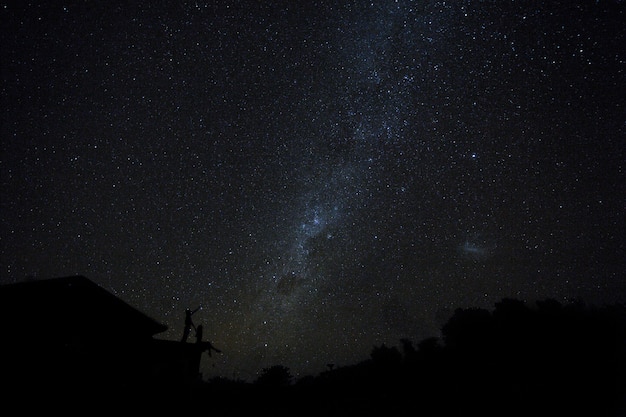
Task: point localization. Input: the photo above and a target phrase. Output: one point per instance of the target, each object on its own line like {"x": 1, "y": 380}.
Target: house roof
{"x": 73, "y": 306}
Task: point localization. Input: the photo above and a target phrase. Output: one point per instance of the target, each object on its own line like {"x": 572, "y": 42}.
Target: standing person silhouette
{"x": 188, "y": 323}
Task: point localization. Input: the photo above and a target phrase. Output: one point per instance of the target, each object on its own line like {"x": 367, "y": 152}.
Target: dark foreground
{"x": 548, "y": 360}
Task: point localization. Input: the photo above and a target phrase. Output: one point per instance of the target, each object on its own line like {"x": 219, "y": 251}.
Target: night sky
{"x": 321, "y": 177}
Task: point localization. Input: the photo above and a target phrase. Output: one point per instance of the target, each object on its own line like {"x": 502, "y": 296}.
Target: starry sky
{"x": 321, "y": 177}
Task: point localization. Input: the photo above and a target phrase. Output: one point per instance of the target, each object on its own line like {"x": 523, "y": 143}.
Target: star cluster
{"x": 320, "y": 177}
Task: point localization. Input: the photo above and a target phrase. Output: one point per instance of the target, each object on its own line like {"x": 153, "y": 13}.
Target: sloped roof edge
{"x": 79, "y": 285}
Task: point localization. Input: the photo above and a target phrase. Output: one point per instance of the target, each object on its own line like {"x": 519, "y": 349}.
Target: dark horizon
{"x": 237, "y": 374}
{"x": 543, "y": 359}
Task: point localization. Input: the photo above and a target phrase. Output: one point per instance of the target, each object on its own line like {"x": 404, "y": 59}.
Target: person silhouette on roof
{"x": 188, "y": 323}
{"x": 204, "y": 346}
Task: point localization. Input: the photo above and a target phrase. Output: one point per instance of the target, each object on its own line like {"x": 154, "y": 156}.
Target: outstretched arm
{"x": 194, "y": 311}
{"x": 209, "y": 347}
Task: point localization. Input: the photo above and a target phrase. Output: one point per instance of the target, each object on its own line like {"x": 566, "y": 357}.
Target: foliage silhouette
{"x": 517, "y": 360}
{"x": 275, "y": 376}
{"x": 386, "y": 357}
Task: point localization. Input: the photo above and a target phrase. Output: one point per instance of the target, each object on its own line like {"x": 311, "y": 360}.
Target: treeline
{"x": 517, "y": 360}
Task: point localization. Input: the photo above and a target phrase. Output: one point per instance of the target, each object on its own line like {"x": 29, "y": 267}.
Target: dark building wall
{"x": 70, "y": 334}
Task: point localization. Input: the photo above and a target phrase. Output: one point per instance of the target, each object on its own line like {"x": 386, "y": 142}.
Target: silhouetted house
{"x": 69, "y": 333}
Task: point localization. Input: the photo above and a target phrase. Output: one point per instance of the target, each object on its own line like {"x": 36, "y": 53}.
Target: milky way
{"x": 321, "y": 178}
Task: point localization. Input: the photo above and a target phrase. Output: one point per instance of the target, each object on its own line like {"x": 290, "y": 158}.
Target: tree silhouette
{"x": 274, "y": 376}
{"x": 386, "y": 357}
{"x": 519, "y": 359}
{"x": 408, "y": 350}
{"x": 551, "y": 359}
{"x": 467, "y": 328}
